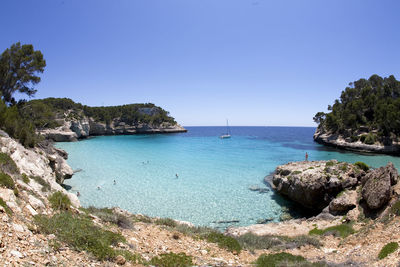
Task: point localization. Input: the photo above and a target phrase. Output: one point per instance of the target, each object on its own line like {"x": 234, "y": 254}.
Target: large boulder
{"x": 314, "y": 184}
{"x": 345, "y": 201}
{"x": 377, "y": 186}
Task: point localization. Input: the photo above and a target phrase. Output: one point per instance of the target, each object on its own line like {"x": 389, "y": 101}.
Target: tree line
{"x": 369, "y": 105}
{"x": 20, "y": 66}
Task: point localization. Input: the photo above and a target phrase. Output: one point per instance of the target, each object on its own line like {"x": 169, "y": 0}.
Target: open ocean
{"x": 214, "y": 175}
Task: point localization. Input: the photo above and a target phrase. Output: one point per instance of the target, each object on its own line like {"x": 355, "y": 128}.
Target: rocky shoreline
{"x": 341, "y": 142}
{"x": 86, "y": 127}
{"x": 338, "y": 188}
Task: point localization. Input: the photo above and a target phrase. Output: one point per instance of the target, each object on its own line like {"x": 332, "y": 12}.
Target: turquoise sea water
{"x": 214, "y": 175}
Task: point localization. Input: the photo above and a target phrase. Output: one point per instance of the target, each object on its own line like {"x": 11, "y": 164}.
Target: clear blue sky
{"x": 255, "y": 62}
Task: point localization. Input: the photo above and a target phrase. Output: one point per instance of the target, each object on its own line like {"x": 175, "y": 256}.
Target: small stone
{"x": 51, "y": 236}
{"x": 16, "y": 254}
{"x": 203, "y": 252}
{"x": 120, "y": 260}
{"x": 35, "y": 203}
{"x": 18, "y": 227}
{"x": 31, "y": 210}
{"x": 5, "y": 218}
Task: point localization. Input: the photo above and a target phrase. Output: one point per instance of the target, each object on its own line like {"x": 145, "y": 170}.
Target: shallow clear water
{"x": 214, "y": 175}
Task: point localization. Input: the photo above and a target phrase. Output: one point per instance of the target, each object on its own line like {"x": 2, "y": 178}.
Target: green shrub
{"x": 45, "y": 185}
{"x": 362, "y": 165}
{"x": 344, "y": 167}
{"x": 107, "y": 215}
{"x": 370, "y": 139}
{"x": 129, "y": 256}
{"x": 388, "y": 249}
{"x": 16, "y": 192}
{"x": 224, "y": 241}
{"x": 395, "y": 209}
{"x": 211, "y": 235}
{"x": 296, "y": 172}
{"x": 25, "y": 178}
{"x": 59, "y": 201}
{"x": 142, "y": 218}
{"x": 80, "y": 233}
{"x": 16, "y": 126}
{"x": 329, "y": 164}
{"x": 196, "y": 231}
{"x": 166, "y": 221}
{"x": 343, "y": 230}
{"x": 7, "y": 164}
{"x": 172, "y": 260}
{"x": 278, "y": 259}
{"x": 6, "y": 208}
{"x": 7, "y": 181}
{"x": 252, "y": 241}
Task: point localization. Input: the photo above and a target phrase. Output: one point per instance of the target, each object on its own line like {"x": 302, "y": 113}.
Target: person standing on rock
{"x": 306, "y": 156}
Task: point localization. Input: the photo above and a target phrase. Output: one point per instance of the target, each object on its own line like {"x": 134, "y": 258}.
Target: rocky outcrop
{"x": 345, "y": 201}
{"x": 45, "y": 162}
{"x": 314, "y": 184}
{"x": 338, "y": 188}
{"x": 85, "y": 127}
{"x": 342, "y": 142}
{"x": 377, "y": 186}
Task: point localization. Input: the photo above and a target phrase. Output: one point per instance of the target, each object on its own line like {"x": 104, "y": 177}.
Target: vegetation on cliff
{"x": 19, "y": 69}
{"x": 44, "y": 112}
{"x": 368, "y": 110}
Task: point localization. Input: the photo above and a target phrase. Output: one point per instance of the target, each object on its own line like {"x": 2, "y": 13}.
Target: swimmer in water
{"x": 98, "y": 188}
{"x": 176, "y": 175}
{"x": 115, "y": 182}
{"x": 78, "y": 194}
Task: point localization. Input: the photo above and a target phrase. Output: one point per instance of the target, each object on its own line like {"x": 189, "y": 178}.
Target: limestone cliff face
{"x": 85, "y": 127}
{"x": 46, "y": 162}
{"x": 335, "y": 140}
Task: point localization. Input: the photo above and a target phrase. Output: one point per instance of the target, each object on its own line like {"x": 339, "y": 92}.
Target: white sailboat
{"x": 228, "y": 132}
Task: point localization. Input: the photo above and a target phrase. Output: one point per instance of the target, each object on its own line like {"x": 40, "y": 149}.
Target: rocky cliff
{"x": 340, "y": 141}
{"x": 72, "y": 130}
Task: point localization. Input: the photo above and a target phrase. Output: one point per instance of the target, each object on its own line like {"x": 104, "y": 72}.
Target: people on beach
{"x": 306, "y": 156}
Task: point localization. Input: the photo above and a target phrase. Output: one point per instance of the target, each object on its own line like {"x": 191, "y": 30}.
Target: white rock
{"x": 13, "y": 206}
{"x": 36, "y": 203}
{"x": 31, "y": 210}
{"x": 18, "y": 227}
{"x": 7, "y": 195}
{"x": 74, "y": 200}
{"x": 16, "y": 254}
{"x": 51, "y": 236}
